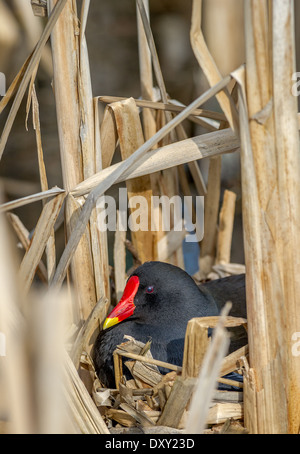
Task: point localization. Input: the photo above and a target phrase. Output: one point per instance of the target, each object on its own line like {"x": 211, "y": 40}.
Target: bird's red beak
{"x": 126, "y": 306}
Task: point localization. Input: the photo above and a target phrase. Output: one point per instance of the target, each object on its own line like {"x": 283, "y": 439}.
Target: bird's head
{"x": 149, "y": 287}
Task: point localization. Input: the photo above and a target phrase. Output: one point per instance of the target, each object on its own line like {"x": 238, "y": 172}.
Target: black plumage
{"x": 166, "y": 299}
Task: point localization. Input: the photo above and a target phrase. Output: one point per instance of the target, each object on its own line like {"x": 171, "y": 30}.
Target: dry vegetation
{"x": 47, "y": 380}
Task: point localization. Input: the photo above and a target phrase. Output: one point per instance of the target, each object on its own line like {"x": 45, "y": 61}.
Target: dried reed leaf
{"x": 206, "y": 145}
{"x": 30, "y": 199}
{"x": 176, "y": 108}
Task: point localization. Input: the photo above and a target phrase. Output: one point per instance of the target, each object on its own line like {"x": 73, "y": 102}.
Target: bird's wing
{"x": 231, "y": 288}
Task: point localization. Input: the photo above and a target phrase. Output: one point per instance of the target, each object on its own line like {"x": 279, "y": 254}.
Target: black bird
{"x": 158, "y": 301}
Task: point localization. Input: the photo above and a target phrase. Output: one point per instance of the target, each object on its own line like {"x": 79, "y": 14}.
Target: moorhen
{"x": 158, "y": 301}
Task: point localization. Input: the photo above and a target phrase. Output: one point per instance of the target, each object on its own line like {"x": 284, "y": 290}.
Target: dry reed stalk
{"x": 131, "y": 138}
{"x": 91, "y": 157}
{"x": 226, "y": 227}
{"x": 208, "y": 65}
{"x": 146, "y": 76}
{"x": 169, "y": 186}
{"x": 50, "y": 247}
{"x": 270, "y": 179}
{"x": 119, "y": 261}
{"x": 74, "y": 107}
{"x": 287, "y": 148}
{"x": 264, "y": 293}
{"x": 99, "y": 238}
{"x": 211, "y": 210}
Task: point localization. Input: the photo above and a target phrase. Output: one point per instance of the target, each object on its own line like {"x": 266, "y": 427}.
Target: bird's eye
{"x": 149, "y": 289}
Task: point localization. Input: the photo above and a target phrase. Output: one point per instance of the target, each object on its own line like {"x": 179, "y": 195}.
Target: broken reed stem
{"x": 125, "y": 165}
{"x": 144, "y": 359}
{"x": 209, "y": 373}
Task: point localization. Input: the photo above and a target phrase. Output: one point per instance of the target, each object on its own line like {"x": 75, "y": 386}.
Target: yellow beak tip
{"x": 110, "y": 322}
